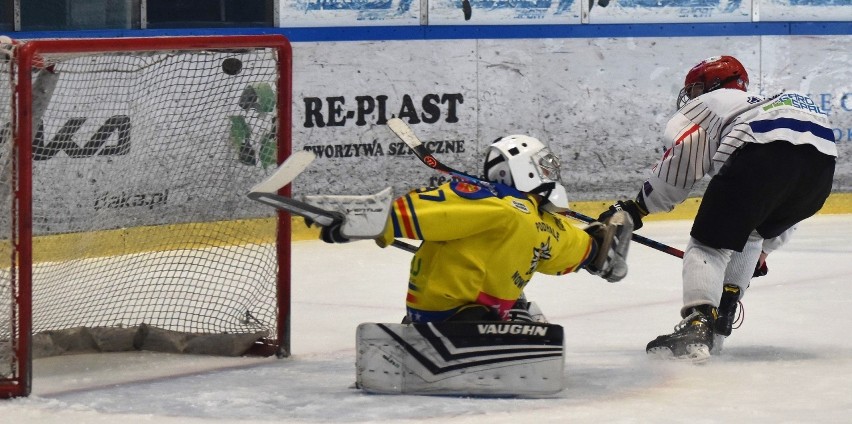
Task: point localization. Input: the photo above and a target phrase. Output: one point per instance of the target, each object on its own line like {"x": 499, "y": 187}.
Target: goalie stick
{"x": 266, "y": 192}
{"x": 406, "y": 134}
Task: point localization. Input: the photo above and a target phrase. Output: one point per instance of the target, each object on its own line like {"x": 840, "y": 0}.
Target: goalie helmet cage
{"x": 124, "y": 165}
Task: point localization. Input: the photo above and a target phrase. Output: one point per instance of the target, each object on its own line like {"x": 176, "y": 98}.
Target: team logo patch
{"x": 463, "y": 187}
{"x": 520, "y": 206}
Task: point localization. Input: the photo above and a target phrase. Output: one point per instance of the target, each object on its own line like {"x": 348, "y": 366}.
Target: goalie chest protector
{"x": 461, "y": 358}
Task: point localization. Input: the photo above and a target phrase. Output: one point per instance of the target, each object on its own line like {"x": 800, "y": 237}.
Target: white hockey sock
{"x": 741, "y": 267}
{"x": 703, "y": 274}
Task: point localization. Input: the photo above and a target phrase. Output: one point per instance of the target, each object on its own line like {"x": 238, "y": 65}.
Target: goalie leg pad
{"x": 460, "y": 358}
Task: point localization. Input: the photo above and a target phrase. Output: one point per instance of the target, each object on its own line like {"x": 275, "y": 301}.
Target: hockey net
{"x": 124, "y": 165}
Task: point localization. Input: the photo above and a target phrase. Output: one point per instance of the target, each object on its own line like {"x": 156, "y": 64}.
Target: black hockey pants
{"x": 764, "y": 187}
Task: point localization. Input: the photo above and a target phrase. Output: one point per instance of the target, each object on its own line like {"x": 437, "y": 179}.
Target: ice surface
{"x": 791, "y": 361}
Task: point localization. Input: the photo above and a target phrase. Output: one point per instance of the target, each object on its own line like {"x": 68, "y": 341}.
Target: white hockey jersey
{"x": 706, "y": 131}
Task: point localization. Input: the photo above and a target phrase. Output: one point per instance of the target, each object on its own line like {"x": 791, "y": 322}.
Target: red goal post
{"x": 124, "y": 165}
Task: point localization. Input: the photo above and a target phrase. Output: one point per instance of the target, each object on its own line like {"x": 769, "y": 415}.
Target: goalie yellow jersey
{"x": 482, "y": 243}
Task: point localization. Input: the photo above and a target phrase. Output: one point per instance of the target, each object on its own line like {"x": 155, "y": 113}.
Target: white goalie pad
{"x": 366, "y": 215}
{"x": 463, "y": 358}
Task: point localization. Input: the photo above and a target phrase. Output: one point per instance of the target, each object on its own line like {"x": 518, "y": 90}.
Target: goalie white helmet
{"x": 528, "y": 165}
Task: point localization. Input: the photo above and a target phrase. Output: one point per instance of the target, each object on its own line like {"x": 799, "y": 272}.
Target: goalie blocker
{"x": 460, "y": 358}
{"x": 364, "y": 217}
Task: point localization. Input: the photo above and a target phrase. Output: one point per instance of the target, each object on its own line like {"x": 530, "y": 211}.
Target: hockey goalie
{"x": 468, "y": 330}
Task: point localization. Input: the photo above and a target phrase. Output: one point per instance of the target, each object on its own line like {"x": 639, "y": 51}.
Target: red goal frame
{"x": 21, "y": 271}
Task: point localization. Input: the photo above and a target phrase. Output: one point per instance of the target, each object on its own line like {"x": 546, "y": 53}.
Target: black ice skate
{"x": 724, "y": 324}
{"x": 728, "y": 310}
{"x": 526, "y": 311}
{"x": 691, "y": 340}
{"x": 520, "y": 310}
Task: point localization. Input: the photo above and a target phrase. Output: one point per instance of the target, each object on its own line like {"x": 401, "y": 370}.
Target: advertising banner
{"x": 601, "y": 104}
{"x": 821, "y": 68}
{"x": 329, "y": 13}
{"x": 504, "y": 12}
{"x": 141, "y": 140}
{"x": 670, "y": 11}
{"x": 805, "y": 10}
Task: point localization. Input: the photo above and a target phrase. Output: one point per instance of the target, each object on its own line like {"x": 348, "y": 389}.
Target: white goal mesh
{"x": 142, "y": 151}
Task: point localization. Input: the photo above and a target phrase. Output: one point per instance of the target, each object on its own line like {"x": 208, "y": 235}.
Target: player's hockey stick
{"x": 266, "y": 192}
{"x": 635, "y": 237}
{"x": 406, "y": 134}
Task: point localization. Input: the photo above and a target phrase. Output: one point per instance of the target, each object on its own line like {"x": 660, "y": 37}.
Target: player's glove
{"x": 332, "y": 232}
{"x": 760, "y": 269}
{"x": 632, "y": 207}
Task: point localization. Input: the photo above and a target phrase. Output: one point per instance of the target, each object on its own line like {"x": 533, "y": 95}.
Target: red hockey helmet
{"x": 712, "y": 74}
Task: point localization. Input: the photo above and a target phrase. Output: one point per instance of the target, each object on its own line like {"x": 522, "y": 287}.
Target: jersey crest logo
{"x": 520, "y": 206}
{"x": 543, "y": 252}
{"x": 463, "y": 187}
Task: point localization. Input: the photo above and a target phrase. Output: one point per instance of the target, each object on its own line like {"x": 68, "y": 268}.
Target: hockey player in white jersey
{"x": 771, "y": 163}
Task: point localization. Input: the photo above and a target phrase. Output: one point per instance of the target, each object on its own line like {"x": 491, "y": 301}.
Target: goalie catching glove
{"x": 612, "y": 238}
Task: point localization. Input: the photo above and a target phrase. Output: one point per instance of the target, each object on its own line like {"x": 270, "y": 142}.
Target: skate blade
{"x": 695, "y": 353}
{"x": 718, "y": 344}
{"x": 660, "y": 353}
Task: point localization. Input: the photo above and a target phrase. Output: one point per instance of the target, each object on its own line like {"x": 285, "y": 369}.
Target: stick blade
{"x": 286, "y": 172}
{"x": 404, "y": 132}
